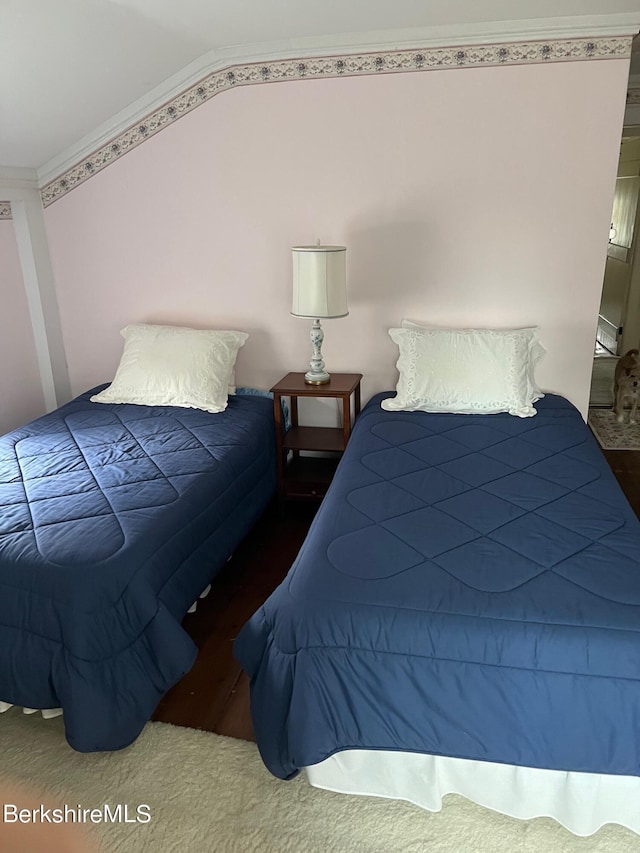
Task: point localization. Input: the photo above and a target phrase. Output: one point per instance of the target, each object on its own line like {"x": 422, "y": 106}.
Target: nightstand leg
{"x": 346, "y": 418}
{"x": 279, "y": 427}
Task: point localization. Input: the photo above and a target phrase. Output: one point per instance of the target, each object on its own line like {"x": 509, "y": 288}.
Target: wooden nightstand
{"x": 308, "y": 477}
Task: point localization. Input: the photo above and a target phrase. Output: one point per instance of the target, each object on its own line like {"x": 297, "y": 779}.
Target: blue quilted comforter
{"x": 113, "y": 518}
{"x": 470, "y": 587}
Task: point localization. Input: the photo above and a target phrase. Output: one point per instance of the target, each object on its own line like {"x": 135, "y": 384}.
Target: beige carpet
{"x": 610, "y": 434}
{"x": 208, "y": 793}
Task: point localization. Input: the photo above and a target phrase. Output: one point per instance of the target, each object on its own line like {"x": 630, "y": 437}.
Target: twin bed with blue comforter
{"x": 114, "y": 518}
{"x": 468, "y": 595}
{"x": 470, "y": 591}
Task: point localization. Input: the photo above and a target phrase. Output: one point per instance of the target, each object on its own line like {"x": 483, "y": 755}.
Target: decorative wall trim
{"x": 348, "y": 65}
{"x": 5, "y": 210}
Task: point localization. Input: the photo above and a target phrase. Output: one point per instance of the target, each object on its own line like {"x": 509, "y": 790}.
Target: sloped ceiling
{"x": 70, "y": 67}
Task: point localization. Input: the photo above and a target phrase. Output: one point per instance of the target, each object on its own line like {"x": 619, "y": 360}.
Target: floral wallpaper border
{"x": 385, "y": 62}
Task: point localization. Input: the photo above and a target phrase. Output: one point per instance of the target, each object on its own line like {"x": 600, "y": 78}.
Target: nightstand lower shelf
{"x": 314, "y": 438}
{"x": 308, "y": 477}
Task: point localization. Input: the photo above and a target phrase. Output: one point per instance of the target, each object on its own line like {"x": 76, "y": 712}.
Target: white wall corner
{"x": 37, "y": 273}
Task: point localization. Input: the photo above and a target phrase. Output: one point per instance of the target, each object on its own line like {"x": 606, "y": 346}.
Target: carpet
{"x": 610, "y": 434}
{"x": 210, "y": 794}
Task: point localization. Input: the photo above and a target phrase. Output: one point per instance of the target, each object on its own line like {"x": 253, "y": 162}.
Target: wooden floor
{"x": 214, "y": 695}
{"x": 625, "y": 464}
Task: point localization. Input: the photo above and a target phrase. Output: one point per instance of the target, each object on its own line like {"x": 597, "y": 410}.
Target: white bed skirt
{"x": 581, "y": 802}
{"x": 47, "y": 713}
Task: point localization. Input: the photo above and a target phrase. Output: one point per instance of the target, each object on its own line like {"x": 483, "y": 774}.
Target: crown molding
{"x": 539, "y": 29}
{"x": 15, "y": 176}
{"x": 15, "y": 183}
{"x": 300, "y": 59}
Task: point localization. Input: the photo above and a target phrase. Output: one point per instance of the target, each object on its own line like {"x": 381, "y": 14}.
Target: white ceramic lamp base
{"x": 316, "y": 375}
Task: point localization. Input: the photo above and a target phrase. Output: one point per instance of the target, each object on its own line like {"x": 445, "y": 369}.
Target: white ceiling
{"x": 68, "y": 67}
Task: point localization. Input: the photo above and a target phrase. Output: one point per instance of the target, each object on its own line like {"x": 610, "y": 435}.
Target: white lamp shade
{"x": 319, "y": 281}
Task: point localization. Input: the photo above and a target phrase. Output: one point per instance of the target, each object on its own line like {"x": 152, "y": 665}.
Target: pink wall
{"x": 466, "y": 197}
{"x": 21, "y": 397}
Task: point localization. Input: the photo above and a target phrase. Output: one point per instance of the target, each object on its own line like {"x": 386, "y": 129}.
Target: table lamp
{"x": 319, "y": 290}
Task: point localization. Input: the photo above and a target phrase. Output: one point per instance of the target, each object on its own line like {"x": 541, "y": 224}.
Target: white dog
{"x": 626, "y": 385}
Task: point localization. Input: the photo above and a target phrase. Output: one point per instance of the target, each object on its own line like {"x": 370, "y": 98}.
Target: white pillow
{"x": 535, "y": 354}
{"x": 468, "y": 371}
{"x": 174, "y": 366}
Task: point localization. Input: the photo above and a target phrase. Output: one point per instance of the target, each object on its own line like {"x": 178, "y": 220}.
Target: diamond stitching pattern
{"x": 83, "y": 460}
{"x": 543, "y": 541}
{"x": 390, "y": 463}
{"x": 431, "y": 532}
{"x": 481, "y": 495}
{"x": 481, "y": 511}
{"x": 516, "y": 452}
{"x": 381, "y": 501}
{"x": 525, "y": 490}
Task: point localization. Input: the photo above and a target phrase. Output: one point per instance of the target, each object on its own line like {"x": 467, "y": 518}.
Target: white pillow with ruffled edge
{"x": 535, "y": 353}
{"x": 466, "y": 371}
{"x": 174, "y": 366}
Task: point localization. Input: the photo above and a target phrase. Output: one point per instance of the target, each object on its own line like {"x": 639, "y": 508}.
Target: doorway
{"x": 619, "y": 313}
